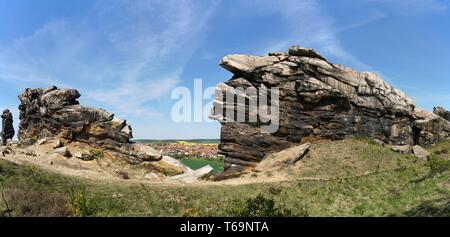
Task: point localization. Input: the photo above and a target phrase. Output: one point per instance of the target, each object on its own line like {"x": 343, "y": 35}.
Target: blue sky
{"x": 126, "y": 56}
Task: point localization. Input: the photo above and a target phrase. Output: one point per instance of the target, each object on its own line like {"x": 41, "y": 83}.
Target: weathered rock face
{"x": 317, "y": 100}
{"x": 442, "y": 113}
{"x": 429, "y": 128}
{"x": 53, "y": 112}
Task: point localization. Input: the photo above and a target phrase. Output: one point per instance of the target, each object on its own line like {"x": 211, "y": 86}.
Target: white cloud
{"x": 130, "y": 97}
{"x": 134, "y": 51}
{"x": 309, "y": 26}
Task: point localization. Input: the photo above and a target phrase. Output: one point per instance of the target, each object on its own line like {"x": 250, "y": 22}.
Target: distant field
{"x": 197, "y": 163}
{"x": 196, "y": 141}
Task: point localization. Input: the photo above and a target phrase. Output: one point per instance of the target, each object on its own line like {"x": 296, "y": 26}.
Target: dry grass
{"x": 348, "y": 178}
{"x": 26, "y": 202}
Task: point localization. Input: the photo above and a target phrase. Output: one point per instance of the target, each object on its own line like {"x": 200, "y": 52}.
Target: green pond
{"x": 197, "y": 163}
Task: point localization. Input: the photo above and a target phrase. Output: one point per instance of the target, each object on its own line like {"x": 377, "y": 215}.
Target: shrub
{"x": 261, "y": 206}
{"x": 80, "y": 204}
{"x": 192, "y": 212}
{"x": 27, "y": 202}
{"x": 123, "y": 174}
{"x": 274, "y": 190}
{"x": 97, "y": 153}
{"x": 438, "y": 165}
{"x": 363, "y": 138}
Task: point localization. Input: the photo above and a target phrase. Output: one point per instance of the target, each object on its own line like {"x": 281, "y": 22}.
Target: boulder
{"x": 284, "y": 158}
{"x": 405, "y": 149}
{"x": 164, "y": 168}
{"x": 194, "y": 175}
{"x": 174, "y": 162}
{"x": 441, "y": 112}
{"x": 378, "y": 142}
{"x": 122, "y": 174}
{"x": 63, "y": 151}
{"x": 429, "y": 128}
{"x": 5, "y": 150}
{"x": 58, "y": 143}
{"x": 167, "y": 166}
{"x": 243, "y": 64}
{"x": 144, "y": 152}
{"x": 420, "y": 153}
{"x": 27, "y": 152}
{"x": 304, "y": 52}
{"x": 317, "y": 100}
{"x": 84, "y": 156}
{"x": 43, "y": 141}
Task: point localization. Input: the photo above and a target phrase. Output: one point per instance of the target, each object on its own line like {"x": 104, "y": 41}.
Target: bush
{"x": 24, "y": 201}
{"x": 363, "y": 138}
{"x": 192, "y": 212}
{"x": 438, "y": 165}
{"x": 274, "y": 190}
{"x": 80, "y": 205}
{"x": 97, "y": 153}
{"x": 261, "y": 206}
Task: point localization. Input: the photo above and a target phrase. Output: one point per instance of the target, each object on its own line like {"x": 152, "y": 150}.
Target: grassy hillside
{"x": 344, "y": 178}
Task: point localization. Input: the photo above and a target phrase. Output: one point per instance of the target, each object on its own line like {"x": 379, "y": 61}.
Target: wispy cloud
{"x": 310, "y": 26}
{"x": 375, "y": 16}
{"x": 408, "y": 7}
{"x": 22, "y": 62}
{"x": 134, "y": 51}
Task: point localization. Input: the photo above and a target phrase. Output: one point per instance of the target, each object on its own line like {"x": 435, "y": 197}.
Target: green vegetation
{"x": 197, "y": 163}
{"x": 97, "y": 153}
{"x": 80, "y": 205}
{"x": 262, "y": 206}
{"x": 344, "y": 178}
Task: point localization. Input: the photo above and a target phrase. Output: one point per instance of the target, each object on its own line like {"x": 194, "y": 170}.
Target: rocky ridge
{"x": 318, "y": 100}
{"x": 56, "y": 113}
{"x": 57, "y": 127}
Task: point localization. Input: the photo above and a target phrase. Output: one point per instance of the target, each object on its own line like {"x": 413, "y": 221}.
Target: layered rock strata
{"x": 56, "y": 113}
{"x": 317, "y": 100}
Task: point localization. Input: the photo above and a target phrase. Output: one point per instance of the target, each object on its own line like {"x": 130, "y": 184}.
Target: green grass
{"x": 368, "y": 181}
{"x": 197, "y": 163}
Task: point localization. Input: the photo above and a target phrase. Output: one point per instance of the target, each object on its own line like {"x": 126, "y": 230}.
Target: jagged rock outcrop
{"x": 429, "y": 128}
{"x": 56, "y": 113}
{"x": 317, "y": 100}
{"x": 442, "y": 113}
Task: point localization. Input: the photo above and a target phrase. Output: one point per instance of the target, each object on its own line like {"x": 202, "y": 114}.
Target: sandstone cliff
{"x": 317, "y": 100}
{"x": 56, "y": 113}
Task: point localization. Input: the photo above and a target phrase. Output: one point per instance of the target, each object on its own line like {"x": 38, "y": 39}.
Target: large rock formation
{"x": 442, "y": 113}
{"x": 317, "y": 100}
{"x": 52, "y": 112}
